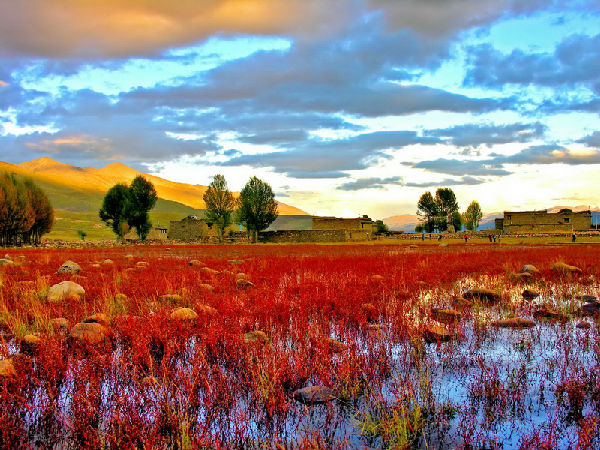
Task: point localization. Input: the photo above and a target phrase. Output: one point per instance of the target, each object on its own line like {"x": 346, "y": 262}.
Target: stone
{"x": 89, "y": 335}
{"x": 583, "y": 325}
{"x": 95, "y": 266}
{"x": 196, "y": 263}
{"x": 65, "y": 290}
{"x": 100, "y": 318}
{"x": 434, "y": 334}
{"x": 445, "y": 315}
{"x": 108, "y": 262}
{"x": 184, "y": 315}
{"x": 520, "y": 277}
{"x": 529, "y": 268}
{"x": 240, "y": 276}
{"x": 209, "y": 271}
{"x": 207, "y": 310}
{"x": 487, "y": 296}
{"x": 590, "y": 309}
{"x": 370, "y": 311}
{"x": 529, "y": 294}
{"x": 173, "y": 299}
{"x": 377, "y": 278}
{"x": 60, "y": 325}
{"x": 312, "y": 395}
{"x": 30, "y": 345}
{"x": 4, "y": 262}
{"x": 69, "y": 267}
{"x": 256, "y": 336}
{"x": 461, "y": 302}
{"x": 236, "y": 261}
{"x": 206, "y": 287}
{"x": 563, "y": 268}
{"x": 515, "y": 322}
{"x": 587, "y": 298}
{"x": 7, "y": 369}
{"x": 549, "y": 314}
{"x": 141, "y": 264}
{"x": 244, "y": 284}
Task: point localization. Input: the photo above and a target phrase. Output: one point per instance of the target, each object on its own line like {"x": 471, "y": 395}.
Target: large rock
{"x": 244, "y": 284}
{"x": 434, "y": 334}
{"x": 445, "y": 315}
{"x": 196, "y": 263}
{"x": 529, "y": 294}
{"x": 312, "y": 395}
{"x": 210, "y": 271}
{"x": 184, "y": 315}
{"x": 522, "y": 277}
{"x": 549, "y": 314}
{"x": 69, "y": 267}
{"x": 65, "y": 290}
{"x": 561, "y": 267}
{"x": 590, "y": 309}
{"x": 487, "y": 296}
{"x": 7, "y": 369}
{"x": 30, "y": 345}
{"x": 515, "y": 322}
{"x": 256, "y": 336}
{"x": 89, "y": 335}
{"x": 529, "y": 268}
{"x": 100, "y": 318}
{"x": 60, "y": 325}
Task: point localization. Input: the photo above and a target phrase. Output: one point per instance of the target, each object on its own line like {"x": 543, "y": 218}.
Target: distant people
{"x": 439, "y": 237}
{"x": 466, "y": 238}
{"x": 573, "y": 237}
{"x": 494, "y": 237}
{"x": 423, "y": 237}
{"x": 490, "y": 237}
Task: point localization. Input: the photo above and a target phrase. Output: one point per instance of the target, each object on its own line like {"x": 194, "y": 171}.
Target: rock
{"x": 209, "y": 271}
{"x": 7, "y": 369}
{"x": 100, "y": 318}
{"x": 69, "y": 267}
{"x": 590, "y": 309}
{"x": 95, "y": 266}
{"x": 335, "y": 346}
{"x": 548, "y": 314}
{"x": 256, "y": 336}
{"x": 515, "y": 322}
{"x": 207, "y": 310}
{"x": 583, "y": 325}
{"x": 487, "y": 296}
{"x": 461, "y": 302}
{"x": 312, "y": 395}
{"x": 377, "y": 278}
{"x": 60, "y": 325}
{"x": 445, "y": 315}
{"x": 529, "y": 268}
{"x": 435, "y": 333}
{"x": 174, "y": 299}
{"x": 184, "y": 315}
{"x": 206, "y": 287}
{"x": 4, "y": 262}
{"x": 129, "y": 256}
{"x": 108, "y": 262}
{"x": 587, "y": 298}
{"x": 89, "y": 335}
{"x": 530, "y": 295}
{"x": 561, "y": 267}
{"x": 244, "y": 284}
{"x": 196, "y": 263}
{"x": 236, "y": 261}
{"x": 520, "y": 277}
{"x": 65, "y": 290}
{"x": 444, "y": 244}
{"x": 240, "y": 276}
{"x": 30, "y": 345}
{"x": 370, "y": 311}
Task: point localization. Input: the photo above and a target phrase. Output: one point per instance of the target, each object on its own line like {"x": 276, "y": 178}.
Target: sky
{"x": 345, "y": 107}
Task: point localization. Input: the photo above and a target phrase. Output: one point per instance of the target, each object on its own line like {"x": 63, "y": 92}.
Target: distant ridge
{"x": 61, "y": 177}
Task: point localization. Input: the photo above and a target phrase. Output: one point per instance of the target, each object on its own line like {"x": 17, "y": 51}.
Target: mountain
{"x": 91, "y": 180}
{"x": 402, "y": 222}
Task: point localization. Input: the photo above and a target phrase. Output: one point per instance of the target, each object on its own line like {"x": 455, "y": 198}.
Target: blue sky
{"x": 346, "y": 107}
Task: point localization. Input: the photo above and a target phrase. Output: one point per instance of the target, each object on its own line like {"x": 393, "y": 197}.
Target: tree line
{"x": 125, "y": 207}
{"x": 25, "y": 211}
{"x": 440, "y": 212}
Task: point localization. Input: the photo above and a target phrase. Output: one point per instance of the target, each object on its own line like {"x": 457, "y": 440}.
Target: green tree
{"x": 447, "y": 205}
{"x": 112, "y": 212}
{"x": 472, "y": 216}
{"x": 457, "y": 221}
{"x": 140, "y": 200}
{"x": 219, "y": 204}
{"x": 381, "y": 227}
{"x": 257, "y": 207}
{"x": 427, "y": 210}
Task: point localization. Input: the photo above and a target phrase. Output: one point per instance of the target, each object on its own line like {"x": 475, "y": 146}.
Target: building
{"x": 325, "y": 229}
{"x": 189, "y": 229}
{"x": 566, "y": 221}
{"x": 157, "y": 233}
{"x": 364, "y": 224}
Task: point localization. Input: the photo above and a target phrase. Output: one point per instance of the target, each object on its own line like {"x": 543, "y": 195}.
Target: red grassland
{"x": 349, "y": 317}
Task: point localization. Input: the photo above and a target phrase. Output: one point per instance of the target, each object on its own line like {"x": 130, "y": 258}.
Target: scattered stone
{"x": 549, "y": 314}
{"x": 6, "y": 262}
{"x": 196, "y": 263}
{"x": 256, "y": 336}
{"x": 530, "y": 295}
{"x": 206, "y": 287}
{"x": 244, "y": 284}
{"x": 7, "y": 369}
{"x": 89, "y": 334}
{"x": 60, "y": 325}
{"x": 184, "y": 314}
{"x": 445, "y": 315}
{"x": 561, "y": 267}
{"x": 516, "y": 322}
{"x": 173, "y": 299}
{"x": 30, "y": 345}
{"x": 108, "y": 262}
{"x": 210, "y": 271}
{"x": 520, "y": 277}
{"x": 65, "y": 290}
{"x": 370, "y": 311}
{"x": 587, "y": 298}
{"x": 312, "y": 395}
{"x": 377, "y": 278}
{"x": 100, "y": 318}
{"x": 207, "y": 310}
{"x": 236, "y": 261}
{"x": 590, "y": 309}
{"x": 487, "y": 296}
{"x": 69, "y": 267}
{"x": 529, "y": 268}
{"x": 583, "y": 325}
{"x": 434, "y": 334}
{"x": 141, "y": 264}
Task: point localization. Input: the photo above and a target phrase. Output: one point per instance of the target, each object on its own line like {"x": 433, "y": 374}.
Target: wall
{"x": 543, "y": 222}
{"x": 334, "y": 223}
{"x": 288, "y": 236}
{"x": 188, "y": 229}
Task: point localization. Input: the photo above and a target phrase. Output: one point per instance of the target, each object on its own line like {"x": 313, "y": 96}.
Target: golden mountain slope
{"x": 100, "y": 180}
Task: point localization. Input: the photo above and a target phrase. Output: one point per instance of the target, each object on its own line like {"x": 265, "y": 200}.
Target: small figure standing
{"x": 439, "y": 237}
{"x": 573, "y": 237}
{"x": 494, "y": 237}
{"x": 466, "y": 238}
{"x": 423, "y": 237}
{"x": 490, "y": 237}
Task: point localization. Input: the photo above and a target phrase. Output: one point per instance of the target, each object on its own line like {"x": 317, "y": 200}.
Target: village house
{"x": 565, "y": 220}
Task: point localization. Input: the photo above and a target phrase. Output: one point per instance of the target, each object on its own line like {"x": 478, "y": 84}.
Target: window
{"x": 567, "y": 220}
{"x": 508, "y": 217}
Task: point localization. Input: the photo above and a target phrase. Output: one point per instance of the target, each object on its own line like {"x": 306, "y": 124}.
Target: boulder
{"x": 30, "y": 345}
{"x": 445, "y": 315}
{"x": 60, "y": 325}
{"x": 108, "y": 262}
{"x": 587, "y": 298}
{"x": 183, "y": 315}
{"x": 520, "y": 277}
{"x": 173, "y": 299}
{"x": 529, "y": 268}
{"x": 69, "y": 267}
{"x": 4, "y": 262}
{"x": 434, "y": 334}
{"x": 65, "y": 290}
{"x": 563, "y": 268}
{"x": 244, "y": 284}
{"x": 89, "y": 335}
{"x": 100, "y": 318}
{"x": 314, "y": 394}
{"x": 209, "y": 271}
{"x": 256, "y": 336}
{"x": 515, "y": 322}
{"x": 206, "y": 287}
{"x": 529, "y": 294}
{"x": 377, "y": 277}
{"x": 141, "y": 264}
{"x": 196, "y": 263}
{"x": 7, "y": 369}
{"x": 486, "y": 296}
{"x": 461, "y": 302}
{"x": 549, "y": 314}
{"x": 240, "y": 276}
{"x": 590, "y": 309}
{"x": 583, "y": 325}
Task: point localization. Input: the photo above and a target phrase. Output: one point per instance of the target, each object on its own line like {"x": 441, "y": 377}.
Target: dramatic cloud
{"x": 462, "y": 168}
{"x": 592, "y": 140}
{"x": 474, "y": 135}
{"x": 462, "y": 181}
{"x": 370, "y": 183}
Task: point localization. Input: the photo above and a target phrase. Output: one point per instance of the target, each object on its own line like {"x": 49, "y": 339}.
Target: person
{"x": 466, "y": 238}
{"x": 439, "y": 237}
{"x": 423, "y": 237}
{"x": 574, "y": 237}
{"x": 494, "y": 237}
{"x": 490, "y": 237}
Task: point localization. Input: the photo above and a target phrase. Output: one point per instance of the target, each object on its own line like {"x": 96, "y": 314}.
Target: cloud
{"x": 591, "y": 140}
{"x": 462, "y": 168}
{"x": 465, "y": 181}
{"x": 473, "y": 135}
{"x": 551, "y": 154}
{"x": 370, "y": 183}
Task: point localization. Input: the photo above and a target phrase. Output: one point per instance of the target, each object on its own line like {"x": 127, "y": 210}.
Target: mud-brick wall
{"x": 541, "y": 222}
{"x": 286, "y": 236}
{"x": 331, "y": 223}
{"x": 188, "y": 230}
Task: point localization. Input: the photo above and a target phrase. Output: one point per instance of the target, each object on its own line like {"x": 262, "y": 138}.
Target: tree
{"x": 472, "y": 216}
{"x": 427, "y": 210}
{"x": 140, "y": 200}
{"x": 112, "y": 212}
{"x": 457, "y": 221}
{"x": 447, "y": 205}
{"x": 219, "y": 204}
{"x": 257, "y": 207}
{"x": 381, "y": 227}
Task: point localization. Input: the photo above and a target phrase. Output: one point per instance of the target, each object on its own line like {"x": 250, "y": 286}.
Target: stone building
{"x": 189, "y": 229}
{"x": 157, "y": 233}
{"x": 325, "y": 229}
{"x": 363, "y": 223}
{"x": 565, "y": 221}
